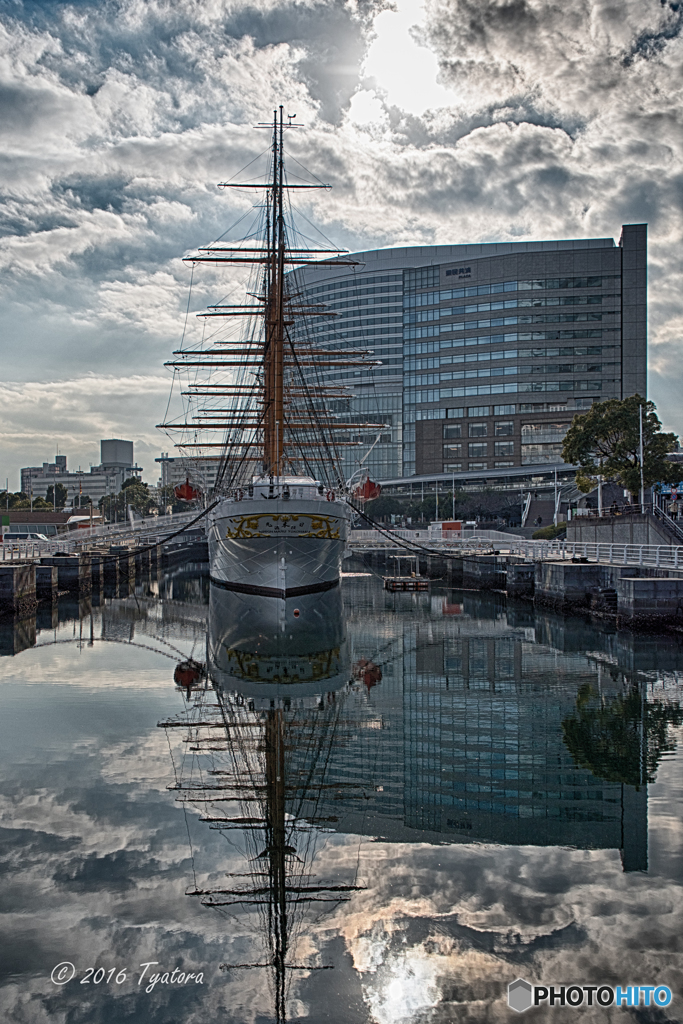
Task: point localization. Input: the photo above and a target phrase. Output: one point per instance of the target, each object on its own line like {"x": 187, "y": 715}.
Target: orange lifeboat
{"x": 186, "y": 492}
{"x": 367, "y": 490}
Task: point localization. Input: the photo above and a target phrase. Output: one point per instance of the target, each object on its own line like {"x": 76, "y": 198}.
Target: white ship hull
{"x": 277, "y": 547}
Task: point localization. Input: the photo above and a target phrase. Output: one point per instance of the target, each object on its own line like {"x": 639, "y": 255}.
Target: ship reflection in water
{"x": 436, "y": 720}
{"x": 267, "y": 647}
{"x": 383, "y": 807}
{"x": 265, "y": 727}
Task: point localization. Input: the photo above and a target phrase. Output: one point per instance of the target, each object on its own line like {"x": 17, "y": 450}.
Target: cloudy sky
{"x": 452, "y": 121}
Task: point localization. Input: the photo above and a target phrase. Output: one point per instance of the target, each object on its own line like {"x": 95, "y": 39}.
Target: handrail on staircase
{"x": 666, "y": 518}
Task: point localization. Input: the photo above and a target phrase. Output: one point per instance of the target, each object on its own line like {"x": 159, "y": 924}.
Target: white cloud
{"x": 463, "y": 120}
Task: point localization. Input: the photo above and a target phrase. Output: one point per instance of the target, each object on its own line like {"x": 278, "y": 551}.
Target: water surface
{"x": 384, "y": 807}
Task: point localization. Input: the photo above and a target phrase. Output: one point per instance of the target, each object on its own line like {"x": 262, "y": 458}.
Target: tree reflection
{"x": 620, "y": 739}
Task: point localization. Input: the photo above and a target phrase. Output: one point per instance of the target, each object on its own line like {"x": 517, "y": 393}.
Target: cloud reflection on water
{"x": 97, "y": 850}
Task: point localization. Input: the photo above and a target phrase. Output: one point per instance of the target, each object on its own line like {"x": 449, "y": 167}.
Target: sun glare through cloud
{"x": 401, "y": 68}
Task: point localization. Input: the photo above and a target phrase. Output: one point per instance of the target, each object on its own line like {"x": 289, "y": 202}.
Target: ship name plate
{"x": 298, "y": 524}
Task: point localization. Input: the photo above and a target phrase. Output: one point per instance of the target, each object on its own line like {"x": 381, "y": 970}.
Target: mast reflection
{"x": 264, "y": 725}
{"x": 456, "y": 721}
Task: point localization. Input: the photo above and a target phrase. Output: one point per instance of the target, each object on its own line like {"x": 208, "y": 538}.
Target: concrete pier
{"x": 73, "y": 572}
{"x": 566, "y": 585}
{"x": 125, "y": 560}
{"x": 643, "y": 601}
{"x": 485, "y": 571}
{"x": 17, "y": 588}
{"x": 520, "y": 579}
{"x": 96, "y": 569}
{"x": 47, "y": 583}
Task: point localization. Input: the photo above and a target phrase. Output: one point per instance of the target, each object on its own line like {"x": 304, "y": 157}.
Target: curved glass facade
{"x": 510, "y": 333}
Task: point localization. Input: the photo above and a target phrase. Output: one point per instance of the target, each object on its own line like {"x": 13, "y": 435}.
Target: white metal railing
{"x": 660, "y": 556}
{"x": 446, "y": 538}
{"x": 142, "y": 532}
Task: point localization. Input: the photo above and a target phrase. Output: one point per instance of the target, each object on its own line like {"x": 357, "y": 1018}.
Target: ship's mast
{"x": 278, "y": 804}
{"x": 273, "y": 397}
{"x": 275, "y": 416}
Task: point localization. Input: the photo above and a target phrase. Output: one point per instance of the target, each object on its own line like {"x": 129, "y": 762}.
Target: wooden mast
{"x": 279, "y": 421}
{"x": 273, "y": 376}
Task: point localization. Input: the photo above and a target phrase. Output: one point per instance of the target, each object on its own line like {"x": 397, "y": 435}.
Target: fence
{"x": 143, "y": 531}
{"x": 658, "y": 556}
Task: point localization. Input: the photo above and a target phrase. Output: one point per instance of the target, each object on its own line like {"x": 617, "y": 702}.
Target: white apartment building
{"x": 117, "y": 464}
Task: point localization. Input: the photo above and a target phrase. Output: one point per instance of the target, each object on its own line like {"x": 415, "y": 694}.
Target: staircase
{"x": 543, "y": 507}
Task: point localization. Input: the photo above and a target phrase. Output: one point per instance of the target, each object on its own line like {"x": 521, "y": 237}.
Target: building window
{"x": 504, "y": 448}
{"x": 455, "y": 414}
{"x": 452, "y": 467}
{"x": 452, "y": 451}
{"x": 540, "y": 453}
{"x": 423, "y": 277}
{"x": 504, "y": 428}
{"x": 452, "y": 430}
{"x": 479, "y": 410}
{"x": 503, "y": 410}
{"x": 477, "y": 430}
{"x": 478, "y": 465}
{"x": 505, "y": 462}
{"x": 477, "y": 449}
{"x": 544, "y": 433}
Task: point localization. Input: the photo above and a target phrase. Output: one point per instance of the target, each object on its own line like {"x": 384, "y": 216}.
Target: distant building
{"x": 117, "y": 464}
{"x": 175, "y": 471}
{"x": 487, "y": 351}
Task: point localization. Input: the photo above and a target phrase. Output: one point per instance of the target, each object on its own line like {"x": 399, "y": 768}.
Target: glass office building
{"x": 487, "y": 350}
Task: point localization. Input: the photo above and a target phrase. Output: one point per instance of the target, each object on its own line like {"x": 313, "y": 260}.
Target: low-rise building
{"x": 117, "y": 464}
{"x": 22, "y": 521}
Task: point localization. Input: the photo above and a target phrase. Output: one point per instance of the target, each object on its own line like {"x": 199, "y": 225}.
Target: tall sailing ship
{"x": 258, "y": 403}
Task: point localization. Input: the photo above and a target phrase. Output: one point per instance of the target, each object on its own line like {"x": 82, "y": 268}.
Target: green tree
{"x": 605, "y": 441}
{"x": 16, "y": 500}
{"x": 383, "y": 507}
{"x": 133, "y": 494}
{"x": 62, "y": 496}
{"x": 622, "y": 739}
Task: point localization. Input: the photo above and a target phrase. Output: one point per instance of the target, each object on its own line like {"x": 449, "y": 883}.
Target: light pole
{"x": 642, "y": 480}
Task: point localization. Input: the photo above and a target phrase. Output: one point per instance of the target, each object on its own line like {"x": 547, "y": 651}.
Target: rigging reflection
{"x": 453, "y": 721}
{"x": 264, "y": 725}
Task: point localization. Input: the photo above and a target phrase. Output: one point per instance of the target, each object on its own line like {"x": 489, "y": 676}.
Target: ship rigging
{"x": 260, "y": 403}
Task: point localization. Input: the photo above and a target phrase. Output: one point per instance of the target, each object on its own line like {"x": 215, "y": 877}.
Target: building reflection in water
{"x": 446, "y": 720}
